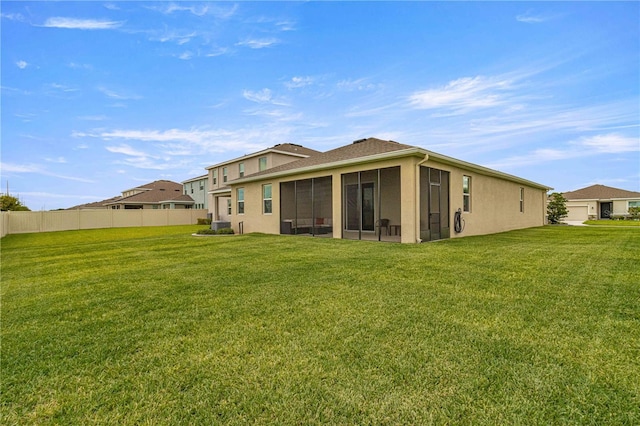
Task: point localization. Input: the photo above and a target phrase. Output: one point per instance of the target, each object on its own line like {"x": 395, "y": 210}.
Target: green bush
{"x": 204, "y": 221}
{"x": 206, "y": 232}
{"x": 221, "y": 231}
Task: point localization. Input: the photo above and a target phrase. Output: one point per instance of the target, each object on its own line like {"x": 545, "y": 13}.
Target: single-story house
{"x": 599, "y": 202}
{"x": 382, "y": 190}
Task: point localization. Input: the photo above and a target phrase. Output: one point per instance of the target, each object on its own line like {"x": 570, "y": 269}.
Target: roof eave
{"x": 414, "y": 151}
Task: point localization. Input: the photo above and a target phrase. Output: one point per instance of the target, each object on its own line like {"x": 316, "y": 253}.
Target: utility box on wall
{"x": 218, "y": 224}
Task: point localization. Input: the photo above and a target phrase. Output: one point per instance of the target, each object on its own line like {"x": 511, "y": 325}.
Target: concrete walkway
{"x": 574, "y": 223}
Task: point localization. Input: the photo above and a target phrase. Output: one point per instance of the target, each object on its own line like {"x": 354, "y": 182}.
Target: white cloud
{"x": 37, "y": 169}
{"x": 264, "y": 96}
{"x": 530, "y": 18}
{"x": 286, "y": 25}
{"x": 127, "y": 150}
{"x": 22, "y": 64}
{"x": 76, "y": 65}
{"x": 63, "y": 87}
{"x": 297, "y": 82}
{"x": 261, "y": 96}
{"x": 258, "y": 43}
{"x": 360, "y": 84}
{"x": 118, "y": 95}
{"x": 463, "y": 94}
{"x": 59, "y": 160}
{"x": 81, "y": 24}
{"x": 217, "y": 52}
{"x": 583, "y": 147}
{"x": 13, "y": 17}
{"x": 612, "y": 143}
{"x": 202, "y": 9}
{"x": 192, "y": 141}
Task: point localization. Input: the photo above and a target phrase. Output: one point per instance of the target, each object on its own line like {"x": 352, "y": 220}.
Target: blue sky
{"x": 99, "y": 97}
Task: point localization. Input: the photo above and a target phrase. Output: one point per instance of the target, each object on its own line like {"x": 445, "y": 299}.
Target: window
{"x": 224, "y": 174}
{"x": 466, "y": 193}
{"x": 262, "y": 163}
{"x": 521, "y": 200}
{"x": 228, "y": 206}
{"x": 215, "y": 176}
{"x": 634, "y": 204}
{"x": 267, "y": 201}
{"x": 240, "y": 198}
{"x": 241, "y": 169}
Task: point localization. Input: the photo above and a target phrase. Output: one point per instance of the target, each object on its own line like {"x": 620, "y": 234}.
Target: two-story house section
{"x": 197, "y": 188}
{"x": 219, "y": 175}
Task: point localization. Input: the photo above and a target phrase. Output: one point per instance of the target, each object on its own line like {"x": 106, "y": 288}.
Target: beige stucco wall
{"x": 495, "y": 201}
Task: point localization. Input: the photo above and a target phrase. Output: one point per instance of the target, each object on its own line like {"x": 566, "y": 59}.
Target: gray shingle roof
{"x": 599, "y": 192}
{"x": 157, "y": 192}
{"x": 358, "y": 149}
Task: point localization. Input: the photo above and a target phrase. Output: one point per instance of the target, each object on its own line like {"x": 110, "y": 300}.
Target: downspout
{"x": 417, "y": 208}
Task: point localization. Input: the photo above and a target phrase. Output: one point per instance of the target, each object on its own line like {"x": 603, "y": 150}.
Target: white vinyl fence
{"x": 66, "y": 220}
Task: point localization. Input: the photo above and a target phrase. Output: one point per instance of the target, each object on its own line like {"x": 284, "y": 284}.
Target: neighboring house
{"x": 219, "y": 175}
{"x": 599, "y": 202}
{"x": 97, "y": 205}
{"x": 379, "y": 190}
{"x": 197, "y": 188}
{"x": 161, "y": 194}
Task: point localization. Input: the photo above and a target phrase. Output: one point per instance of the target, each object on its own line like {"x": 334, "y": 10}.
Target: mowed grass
{"x": 154, "y": 326}
{"x": 608, "y": 222}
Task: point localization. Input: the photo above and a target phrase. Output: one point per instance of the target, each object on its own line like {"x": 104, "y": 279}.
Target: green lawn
{"x": 154, "y": 326}
{"x": 608, "y": 222}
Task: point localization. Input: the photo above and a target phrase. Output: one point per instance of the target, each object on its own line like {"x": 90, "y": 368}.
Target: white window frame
{"x": 262, "y": 163}
{"x": 241, "y": 169}
{"x": 266, "y": 199}
{"x": 240, "y": 200}
{"x": 466, "y": 194}
{"x": 521, "y": 199}
{"x": 225, "y": 174}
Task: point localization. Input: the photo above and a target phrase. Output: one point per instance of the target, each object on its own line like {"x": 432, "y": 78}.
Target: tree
{"x": 9, "y": 203}
{"x": 556, "y": 207}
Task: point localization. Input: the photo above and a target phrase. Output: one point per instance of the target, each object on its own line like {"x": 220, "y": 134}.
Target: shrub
{"x": 221, "y": 231}
{"x": 206, "y": 232}
{"x": 204, "y": 221}
{"x": 634, "y": 212}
